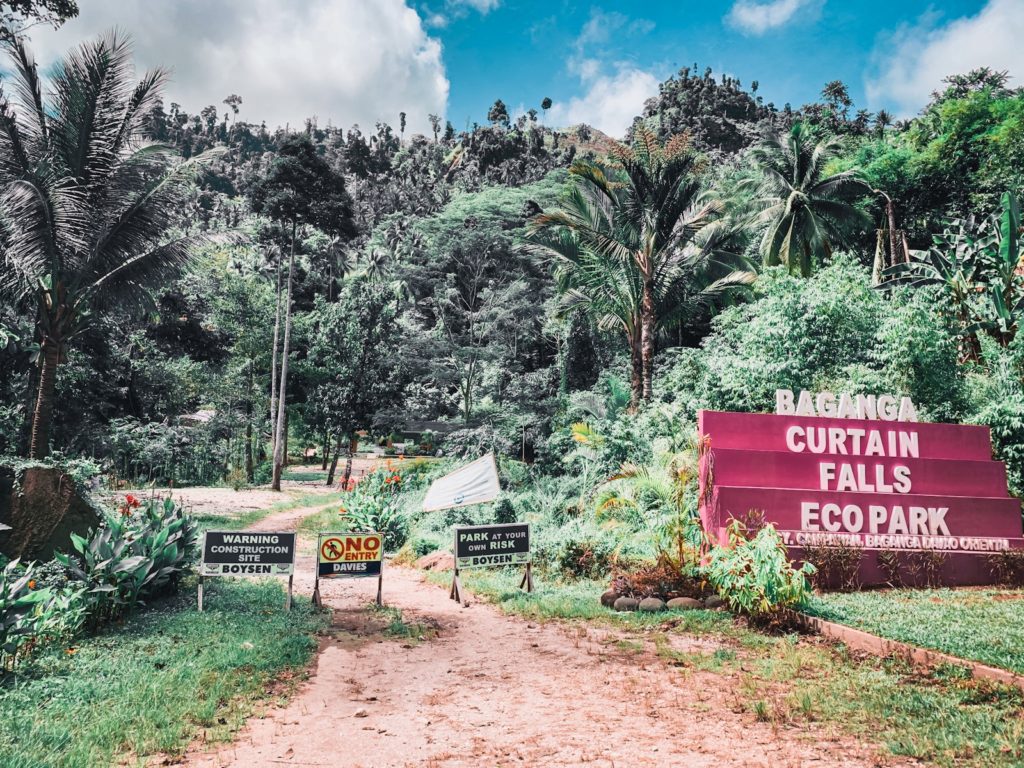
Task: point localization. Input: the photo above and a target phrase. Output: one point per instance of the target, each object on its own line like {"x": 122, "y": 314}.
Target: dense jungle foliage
{"x": 550, "y": 293}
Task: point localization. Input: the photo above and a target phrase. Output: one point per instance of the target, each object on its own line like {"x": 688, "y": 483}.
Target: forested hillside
{"x": 479, "y": 285}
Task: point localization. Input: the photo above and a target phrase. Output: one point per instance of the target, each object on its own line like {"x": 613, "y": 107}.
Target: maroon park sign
{"x": 863, "y": 472}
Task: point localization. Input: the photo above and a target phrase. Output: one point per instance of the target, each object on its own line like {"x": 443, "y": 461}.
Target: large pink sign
{"x": 876, "y": 485}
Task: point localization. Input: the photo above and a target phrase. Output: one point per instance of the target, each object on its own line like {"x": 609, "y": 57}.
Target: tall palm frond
{"x": 86, "y": 200}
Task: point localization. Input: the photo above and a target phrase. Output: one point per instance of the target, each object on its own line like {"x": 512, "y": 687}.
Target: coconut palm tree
{"x": 639, "y": 245}
{"x": 85, "y": 200}
{"x": 804, "y": 211}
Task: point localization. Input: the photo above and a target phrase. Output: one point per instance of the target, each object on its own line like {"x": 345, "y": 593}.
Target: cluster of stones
{"x": 612, "y": 599}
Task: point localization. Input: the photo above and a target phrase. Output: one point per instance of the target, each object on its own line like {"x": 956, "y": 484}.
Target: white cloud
{"x": 483, "y": 6}
{"x": 347, "y": 61}
{"x": 610, "y": 102}
{"x": 911, "y": 62}
{"x": 614, "y": 93}
{"x": 756, "y": 18}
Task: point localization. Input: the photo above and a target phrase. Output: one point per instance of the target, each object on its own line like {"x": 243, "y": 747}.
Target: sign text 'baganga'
{"x": 844, "y": 406}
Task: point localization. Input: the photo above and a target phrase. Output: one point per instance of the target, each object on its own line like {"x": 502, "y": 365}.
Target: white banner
{"x": 475, "y": 483}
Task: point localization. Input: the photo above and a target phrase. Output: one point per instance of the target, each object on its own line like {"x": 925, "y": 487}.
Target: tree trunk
{"x": 647, "y": 339}
{"x": 327, "y": 449}
{"x": 282, "y": 392}
{"x": 890, "y": 212}
{"x": 348, "y": 461}
{"x": 636, "y": 382}
{"x": 249, "y": 469}
{"x": 39, "y": 446}
{"x": 287, "y": 418}
{"x": 273, "y": 364}
{"x": 334, "y": 461}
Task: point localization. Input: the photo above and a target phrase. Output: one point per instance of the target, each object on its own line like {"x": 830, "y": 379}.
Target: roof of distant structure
{"x": 199, "y": 417}
{"x": 429, "y": 426}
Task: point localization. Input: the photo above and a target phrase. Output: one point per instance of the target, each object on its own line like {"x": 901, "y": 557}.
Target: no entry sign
{"x": 243, "y": 553}
{"x": 478, "y": 546}
{"x": 349, "y": 554}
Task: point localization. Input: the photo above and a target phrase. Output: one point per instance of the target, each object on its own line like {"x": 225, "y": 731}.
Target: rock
{"x": 715, "y": 602}
{"x": 43, "y": 506}
{"x": 652, "y": 604}
{"x": 626, "y": 604}
{"x": 360, "y": 713}
{"x": 608, "y": 598}
{"x": 436, "y": 561}
{"x": 684, "y": 604}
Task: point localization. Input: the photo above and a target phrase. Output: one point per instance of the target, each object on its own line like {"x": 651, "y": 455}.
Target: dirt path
{"x": 484, "y": 689}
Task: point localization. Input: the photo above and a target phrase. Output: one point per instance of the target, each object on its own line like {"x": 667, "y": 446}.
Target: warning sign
{"x": 350, "y": 554}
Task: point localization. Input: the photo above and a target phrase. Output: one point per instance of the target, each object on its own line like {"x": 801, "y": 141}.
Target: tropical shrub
{"x": 664, "y": 579}
{"x": 755, "y": 576}
{"x": 374, "y": 505}
{"x": 31, "y": 613}
{"x": 138, "y": 553}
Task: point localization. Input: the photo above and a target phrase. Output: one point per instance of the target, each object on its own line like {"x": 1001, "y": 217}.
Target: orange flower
{"x": 32, "y": 584}
{"x": 71, "y": 651}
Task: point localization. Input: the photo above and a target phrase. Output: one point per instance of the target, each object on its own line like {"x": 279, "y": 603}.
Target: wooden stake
{"x": 380, "y": 583}
{"x": 288, "y": 600}
{"x": 456, "y": 591}
{"x": 527, "y": 578}
{"x": 200, "y": 594}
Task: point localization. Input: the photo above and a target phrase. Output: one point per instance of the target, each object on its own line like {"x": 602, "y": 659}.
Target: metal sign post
{"x": 241, "y": 553}
{"x": 356, "y": 555}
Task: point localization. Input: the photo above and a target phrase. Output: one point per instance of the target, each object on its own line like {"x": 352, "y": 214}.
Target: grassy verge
{"x": 150, "y": 686}
{"x": 940, "y": 716}
{"x": 574, "y": 600}
{"x": 327, "y": 519}
{"x": 252, "y": 516}
{"x": 985, "y": 625}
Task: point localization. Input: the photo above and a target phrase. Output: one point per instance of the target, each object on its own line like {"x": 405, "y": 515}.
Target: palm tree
{"x": 85, "y": 199}
{"x": 804, "y": 211}
{"x": 639, "y": 246}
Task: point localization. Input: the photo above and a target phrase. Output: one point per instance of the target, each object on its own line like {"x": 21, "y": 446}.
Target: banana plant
{"x": 977, "y": 265}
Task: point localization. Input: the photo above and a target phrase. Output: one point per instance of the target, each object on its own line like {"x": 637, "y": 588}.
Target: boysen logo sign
{"x": 349, "y": 554}
{"x": 861, "y": 470}
{"x": 241, "y": 553}
{"x": 477, "y": 546}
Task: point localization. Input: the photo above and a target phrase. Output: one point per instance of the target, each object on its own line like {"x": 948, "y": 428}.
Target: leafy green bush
{"x": 31, "y": 613}
{"x": 755, "y": 576}
{"x": 136, "y": 554}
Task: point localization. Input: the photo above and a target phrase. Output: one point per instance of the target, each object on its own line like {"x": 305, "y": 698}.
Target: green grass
{"x": 327, "y": 519}
{"x": 152, "y": 685}
{"x": 940, "y": 716}
{"x": 574, "y": 601}
{"x": 252, "y": 516}
{"x": 985, "y": 625}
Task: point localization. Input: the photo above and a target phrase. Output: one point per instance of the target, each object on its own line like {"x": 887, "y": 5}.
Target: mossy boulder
{"x": 43, "y": 505}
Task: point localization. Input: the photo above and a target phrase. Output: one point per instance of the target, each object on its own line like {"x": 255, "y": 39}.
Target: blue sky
{"x": 349, "y": 61}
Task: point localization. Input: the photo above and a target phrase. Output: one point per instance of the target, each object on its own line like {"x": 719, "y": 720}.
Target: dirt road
{"x": 484, "y": 689}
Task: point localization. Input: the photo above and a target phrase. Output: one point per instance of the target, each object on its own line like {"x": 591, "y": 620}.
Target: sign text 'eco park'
{"x": 861, "y": 471}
